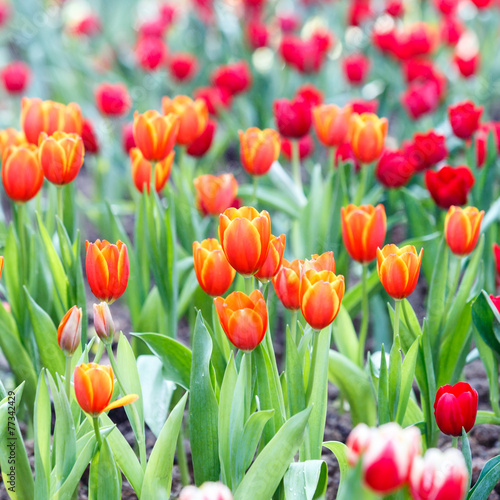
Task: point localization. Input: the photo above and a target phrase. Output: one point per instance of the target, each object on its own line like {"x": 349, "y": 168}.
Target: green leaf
{"x": 395, "y": 364}
{"x": 340, "y": 451}
{"x": 45, "y": 331}
{"x": 42, "y": 439}
{"x": 104, "y": 483}
{"x": 344, "y": 335}
{"x": 486, "y": 320}
{"x": 203, "y": 409}
{"x": 384, "y": 415}
{"x": 175, "y": 356}
{"x": 488, "y": 479}
{"x": 294, "y": 376}
{"x": 355, "y": 385}
{"x": 266, "y": 472}
{"x": 487, "y": 417}
{"x": 306, "y": 480}
{"x": 467, "y": 455}
{"x": 407, "y": 375}
{"x": 437, "y": 293}
{"x": 158, "y": 476}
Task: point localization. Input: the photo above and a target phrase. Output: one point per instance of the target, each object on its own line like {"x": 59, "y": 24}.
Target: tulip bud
{"x": 214, "y": 194}
{"x": 449, "y": 185}
{"x": 367, "y": 135}
{"x": 461, "y": 229}
{"x": 69, "y": 331}
{"x": 357, "y": 443}
{"x": 113, "y": 99}
{"x": 273, "y": 259}
{"x": 259, "y": 149}
{"x": 103, "y": 322}
{"x": 286, "y": 283}
{"x": 235, "y": 78}
{"x": 464, "y": 118}
{"x": 183, "y": 66}
{"x": 293, "y": 118}
{"x": 207, "y": 491}
{"x": 455, "y": 407}
{"x": 15, "y": 77}
{"x": 331, "y": 123}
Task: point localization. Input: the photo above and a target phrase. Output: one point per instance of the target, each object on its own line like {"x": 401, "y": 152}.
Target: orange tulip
{"x": 214, "y": 194}
{"x": 104, "y": 325}
{"x": 1, "y": 265}
{"x": 259, "y": 149}
{"x": 69, "y": 331}
{"x": 244, "y": 235}
{"x": 107, "y": 269}
{"x": 461, "y": 229}
{"x": 213, "y": 271}
{"x": 11, "y": 137}
{"x": 321, "y": 294}
{"x": 323, "y": 262}
{"x": 331, "y": 124}
{"x": 22, "y": 175}
{"x": 193, "y": 116}
{"x": 398, "y": 269}
{"x": 363, "y": 230}
{"x": 94, "y": 387}
{"x": 142, "y": 171}
{"x": 367, "y": 136}
{"x": 286, "y": 283}
{"x": 155, "y": 134}
{"x": 243, "y": 318}
{"x": 49, "y": 116}
{"x": 273, "y": 259}
{"x": 61, "y": 156}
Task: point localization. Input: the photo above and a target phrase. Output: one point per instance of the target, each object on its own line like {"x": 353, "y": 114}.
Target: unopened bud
{"x": 69, "y": 331}
{"x": 103, "y": 322}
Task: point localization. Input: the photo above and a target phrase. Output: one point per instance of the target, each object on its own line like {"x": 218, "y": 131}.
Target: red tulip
{"x": 112, "y": 99}
{"x": 449, "y": 186}
{"x": 455, "y": 407}
{"x": 200, "y": 146}
{"x": 293, "y": 118}
{"x": 15, "y": 77}
{"x": 425, "y": 150}
{"x": 286, "y": 283}
{"x": 183, "y": 66}
{"x": 310, "y": 94}
{"x": 446, "y": 7}
{"x": 90, "y": 142}
{"x": 128, "y": 141}
{"x": 216, "y": 98}
{"x": 87, "y": 26}
{"x": 393, "y": 169}
{"x": 361, "y": 106}
{"x": 236, "y": 78}
{"x": 451, "y": 30}
{"x": 257, "y": 35}
{"x": 356, "y": 68}
{"x": 496, "y": 253}
{"x": 306, "y": 147}
{"x": 150, "y": 53}
{"x": 464, "y": 118}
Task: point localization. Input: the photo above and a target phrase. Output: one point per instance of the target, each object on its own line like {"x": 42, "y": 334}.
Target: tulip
{"x": 455, "y": 407}
{"x": 310, "y": 94}
{"x": 356, "y": 68}
{"x": 107, "y": 268}
{"x": 257, "y": 35}
{"x": 183, "y": 67}
{"x": 273, "y": 259}
{"x": 11, "y": 137}
{"x": 113, "y": 99}
{"x": 69, "y": 331}
{"x": 451, "y": 29}
{"x": 496, "y": 253}
{"x": 461, "y": 229}
{"x": 207, "y": 491}
{"x": 61, "y": 156}
{"x": 398, "y": 269}
{"x": 22, "y": 175}
{"x": 5, "y": 11}
{"x": 467, "y": 64}
{"x": 367, "y": 135}
{"x": 321, "y": 294}
{"x": 49, "y": 116}
{"x": 393, "y": 169}
{"x": 235, "y": 78}
{"x": 386, "y": 455}
{"x": 464, "y": 118}
{"x": 449, "y": 186}
{"x": 286, "y": 283}
{"x": 90, "y": 142}
{"x": 142, "y": 171}
{"x": 323, "y": 262}
{"x": 150, "y": 52}
{"x": 344, "y": 154}
{"x": 259, "y": 149}
{"x": 214, "y": 273}
{"x": 154, "y": 134}
{"x": 94, "y": 387}
{"x": 244, "y": 234}
{"x": 216, "y": 98}
{"x": 363, "y": 231}
{"x": 193, "y": 116}
{"x": 214, "y": 194}
{"x": 305, "y": 147}
{"x": 200, "y": 146}
{"x": 439, "y": 475}
{"x": 103, "y": 322}
{"x": 243, "y": 318}
{"x": 422, "y": 97}
{"x": 331, "y": 124}
{"x": 426, "y": 150}
{"x": 15, "y": 77}
{"x": 88, "y": 26}
{"x": 361, "y": 106}
{"x": 128, "y": 141}
{"x": 293, "y": 118}
{"x": 495, "y": 300}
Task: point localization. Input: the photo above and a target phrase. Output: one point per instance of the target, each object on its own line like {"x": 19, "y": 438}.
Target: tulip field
{"x": 249, "y": 249}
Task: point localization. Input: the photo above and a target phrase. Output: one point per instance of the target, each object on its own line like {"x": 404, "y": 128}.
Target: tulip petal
{"x": 83, "y": 389}
{"x": 449, "y": 415}
{"x": 125, "y": 400}
{"x": 246, "y": 329}
{"x": 393, "y": 274}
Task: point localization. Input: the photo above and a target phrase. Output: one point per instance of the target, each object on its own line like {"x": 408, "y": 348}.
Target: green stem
{"x": 343, "y": 184}
{"x": 67, "y": 377}
{"x": 139, "y": 436}
{"x": 293, "y": 327}
{"x": 248, "y": 284}
{"x": 60, "y": 203}
{"x": 97, "y": 432}
{"x": 255, "y": 185}
{"x": 397, "y": 308}
{"x": 454, "y": 442}
{"x": 296, "y": 164}
{"x": 21, "y": 232}
{"x": 182, "y": 459}
{"x": 365, "y": 311}
{"x": 362, "y": 184}
{"x": 457, "y": 263}
{"x": 100, "y": 350}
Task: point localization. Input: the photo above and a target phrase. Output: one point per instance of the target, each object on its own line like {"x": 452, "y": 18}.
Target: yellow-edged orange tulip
{"x": 243, "y": 318}
{"x": 22, "y": 175}
{"x": 363, "y": 230}
{"x": 321, "y": 294}
{"x": 259, "y": 149}
{"x": 286, "y": 283}
{"x": 155, "y": 134}
{"x": 331, "y": 124}
{"x": 61, "y": 156}
{"x": 69, "y": 331}
{"x": 367, "y": 134}
{"x": 461, "y": 229}
{"x": 273, "y": 259}
{"x": 193, "y": 116}
{"x": 94, "y": 387}
{"x": 214, "y": 273}
{"x": 11, "y": 137}
{"x": 323, "y": 262}
{"x": 244, "y": 234}
{"x": 142, "y": 170}
{"x": 214, "y": 194}
{"x": 398, "y": 269}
